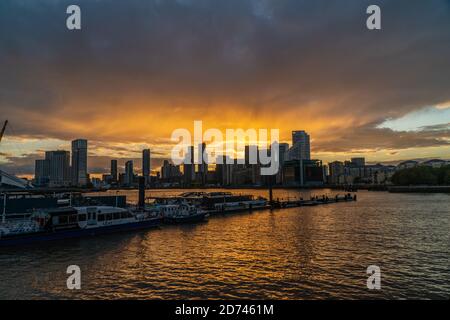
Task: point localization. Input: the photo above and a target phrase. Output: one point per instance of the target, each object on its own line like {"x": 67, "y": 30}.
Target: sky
{"x": 139, "y": 69}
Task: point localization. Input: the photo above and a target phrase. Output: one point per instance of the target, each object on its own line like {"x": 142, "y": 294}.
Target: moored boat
{"x": 181, "y": 213}
{"x": 72, "y": 222}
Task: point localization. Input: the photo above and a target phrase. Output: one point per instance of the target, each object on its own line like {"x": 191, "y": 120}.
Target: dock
{"x": 289, "y": 203}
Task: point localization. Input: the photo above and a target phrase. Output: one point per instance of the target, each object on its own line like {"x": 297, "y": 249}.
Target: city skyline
{"x": 379, "y": 95}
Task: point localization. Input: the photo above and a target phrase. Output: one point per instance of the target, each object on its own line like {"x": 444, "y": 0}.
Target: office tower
{"x": 129, "y": 173}
{"x": 203, "y": 165}
{"x": 146, "y": 165}
{"x": 42, "y": 172}
{"x": 358, "y": 162}
{"x": 283, "y": 156}
{"x": 301, "y": 149}
{"x": 59, "y": 167}
{"x": 188, "y": 166}
{"x": 79, "y": 162}
{"x": 251, "y": 155}
{"x": 283, "y": 149}
{"x": 114, "y": 173}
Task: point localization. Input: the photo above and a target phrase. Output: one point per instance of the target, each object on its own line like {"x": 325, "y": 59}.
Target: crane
{"x": 3, "y": 130}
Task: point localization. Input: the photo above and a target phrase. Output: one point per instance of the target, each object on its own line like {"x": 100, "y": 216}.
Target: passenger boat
{"x": 216, "y": 201}
{"x": 181, "y": 213}
{"x": 73, "y": 222}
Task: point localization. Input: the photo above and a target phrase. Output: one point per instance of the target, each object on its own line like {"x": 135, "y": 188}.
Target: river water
{"x": 301, "y": 253}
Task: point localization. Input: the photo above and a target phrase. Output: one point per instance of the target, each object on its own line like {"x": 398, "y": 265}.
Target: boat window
{"x": 63, "y": 219}
{"x": 116, "y": 215}
{"x": 101, "y": 217}
{"x": 108, "y": 216}
{"x": 73, "y": 218}
{"x": 82, "y": 217}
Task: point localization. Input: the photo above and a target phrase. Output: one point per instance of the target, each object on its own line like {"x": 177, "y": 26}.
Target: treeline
{"x": 422, "y": 175}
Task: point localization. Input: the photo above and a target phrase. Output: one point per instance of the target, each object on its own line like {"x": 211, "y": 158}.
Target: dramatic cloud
{"x": 140, "y": 68}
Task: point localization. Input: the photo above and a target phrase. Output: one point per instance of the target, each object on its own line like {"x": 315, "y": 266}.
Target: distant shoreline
{"x": 354, "y": 188}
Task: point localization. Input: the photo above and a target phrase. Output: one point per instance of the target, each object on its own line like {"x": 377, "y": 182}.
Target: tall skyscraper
{"x": 203, "y": 166}
{"x": 188, "y": 166}
{"x": 129, "y": 173}
{"x": 283, "y": 149}
{"x": 79, "y": 162}
{"x": 114, "y": 172}
{"x": 251, "y": 155}
{"x": 59, "y": 167}
{"x": 301, "y": 149}
{"x": 358, "y": 162}
{"x": 146, "y": 165}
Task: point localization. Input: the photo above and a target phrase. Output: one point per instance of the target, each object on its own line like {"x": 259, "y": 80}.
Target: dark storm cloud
{"x": 266, "y": 57}
{"x": 360, "y": 139}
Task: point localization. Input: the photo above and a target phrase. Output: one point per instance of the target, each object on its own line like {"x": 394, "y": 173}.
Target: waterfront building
{"x": 301, "y": 149}
{"x": 42, "y": 172}
{"x": 188, "y": 167}
{"x": 358, "y": 162}
{"x": 203, "y": 165}
{"x": 336, "y": 170}
{"x": 170, "y": 172}
{"x": 303, "y": 173}
{"x": 146, "y": 167}
{"x": 79, "y": 162}
{"x": 114, "y": 172}
{"x": 59, "y": 167}
{"x": 129, "y": 173}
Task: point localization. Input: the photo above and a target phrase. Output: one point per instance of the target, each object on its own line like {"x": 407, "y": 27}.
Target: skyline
{"x": 126, "y": 85}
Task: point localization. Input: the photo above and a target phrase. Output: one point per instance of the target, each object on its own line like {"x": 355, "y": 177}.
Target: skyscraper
{"x": 79, "y": 162}
{"x": 129, "y": 173}
{"x": 42, "y": 172}
{"x": 146, "y": 165}
{"x": 188, "y": 166}
{"x": 59, "y": 167}
{"x": 114, "y": 173}
{"x": 301, "y": 149}
{"x": 203, "y": 166}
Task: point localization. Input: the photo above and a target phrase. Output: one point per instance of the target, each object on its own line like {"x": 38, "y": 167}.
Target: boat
{"x": 73, "y": 222}
{"x": 216, "y": 202}
{"x": 181, "y": 213}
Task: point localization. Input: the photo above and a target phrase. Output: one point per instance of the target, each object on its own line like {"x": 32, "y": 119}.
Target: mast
{"x": 3, "y": 130}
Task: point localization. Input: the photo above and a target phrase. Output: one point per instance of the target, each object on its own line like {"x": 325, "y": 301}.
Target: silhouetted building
{"x": 129, "y": 173}
{"x": 203, "y": 166}
{"x": 42, "y": 172}
{"x": 301, "y": 149}
{"x": 59, "y": 167}
{"x": 170, "y": 172}
{"x": 303, "y": 173}
{"x": 79, "y": 162}
{"x": 358, "y": 162}
{"x": 188, "y": 167}
{"x": 114, "y": 172}
{"x": 336, "y": 170}
{"x": 146, "y": 165}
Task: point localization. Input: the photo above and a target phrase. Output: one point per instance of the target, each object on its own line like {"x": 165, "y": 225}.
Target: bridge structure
{"x": 9, "y": 181}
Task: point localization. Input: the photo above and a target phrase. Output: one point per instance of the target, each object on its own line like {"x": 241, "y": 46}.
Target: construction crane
{"x": 3, "y": 130}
